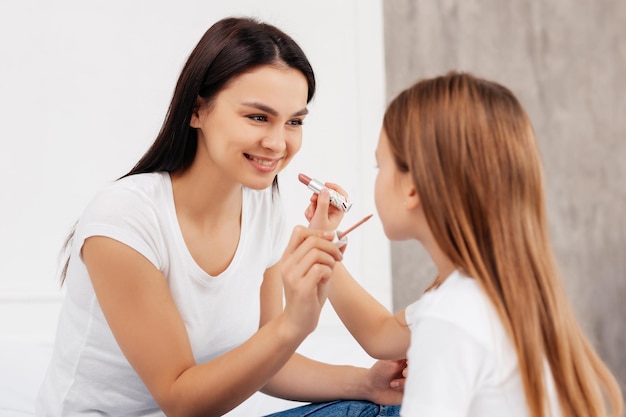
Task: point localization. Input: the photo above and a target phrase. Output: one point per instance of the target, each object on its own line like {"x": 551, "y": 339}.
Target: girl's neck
{"x": 444, "y": 265}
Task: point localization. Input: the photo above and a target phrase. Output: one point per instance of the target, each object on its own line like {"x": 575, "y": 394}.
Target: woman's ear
{"x": 196, "y": 115}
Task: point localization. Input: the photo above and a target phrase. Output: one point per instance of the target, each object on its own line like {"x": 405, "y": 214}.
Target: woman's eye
{"x": 258, "y": 117}
{"x": 296, "y": 122}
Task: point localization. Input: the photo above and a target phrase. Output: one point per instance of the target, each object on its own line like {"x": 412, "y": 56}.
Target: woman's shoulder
{"x": 135, "y": 195}
{"x": 152, "y": 184}
{"x": 134, "y": 210}
{"x": 145, "y": 183}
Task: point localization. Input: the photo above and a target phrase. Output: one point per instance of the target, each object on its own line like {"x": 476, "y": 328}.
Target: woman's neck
{"x": 202, "y": 198}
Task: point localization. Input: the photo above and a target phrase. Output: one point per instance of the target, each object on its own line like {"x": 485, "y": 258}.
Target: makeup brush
{"x": 360, "y": 222}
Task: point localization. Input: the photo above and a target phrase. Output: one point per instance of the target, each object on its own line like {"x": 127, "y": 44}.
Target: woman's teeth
{"x": 261, "y": 161}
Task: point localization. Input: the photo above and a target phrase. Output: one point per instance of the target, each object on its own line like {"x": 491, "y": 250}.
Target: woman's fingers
{"x": 306, "y": 267}
{"x": 313, "y": 266}
{"x": 321, "y": 213}
{"x": 337, "y": 188}
{"x": 305, "y": 239}
{"x": 300, "y": 234}
{"x": 308, "y": 248}
{"x": 309, "y": 212}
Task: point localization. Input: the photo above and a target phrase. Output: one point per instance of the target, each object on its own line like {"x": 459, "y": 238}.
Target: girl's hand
{"x": 306, "y": 266}
{"x": 320, "y": 214}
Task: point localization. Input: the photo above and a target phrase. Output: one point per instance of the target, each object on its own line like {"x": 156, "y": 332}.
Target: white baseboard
{"x": 29, "y": 315}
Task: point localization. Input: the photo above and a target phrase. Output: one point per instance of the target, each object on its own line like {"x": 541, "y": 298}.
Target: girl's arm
{"x": 136, "y": 301}
{"x": 303, "y": 379}
{"x": 382, "y": 334}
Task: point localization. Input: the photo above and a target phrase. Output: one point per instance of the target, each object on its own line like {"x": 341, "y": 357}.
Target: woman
{"x": 175, "y": 277}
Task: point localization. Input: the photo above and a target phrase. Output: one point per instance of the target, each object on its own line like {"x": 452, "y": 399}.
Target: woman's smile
{"x": 252, "y": 129}
{"x": 262, "y": 163}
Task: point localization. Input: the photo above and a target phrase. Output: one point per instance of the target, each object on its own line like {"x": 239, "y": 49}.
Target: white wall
{"x": 84, "y": 87}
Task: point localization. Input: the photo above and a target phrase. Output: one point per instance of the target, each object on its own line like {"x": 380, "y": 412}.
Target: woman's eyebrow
{"x": 271, "y": 111}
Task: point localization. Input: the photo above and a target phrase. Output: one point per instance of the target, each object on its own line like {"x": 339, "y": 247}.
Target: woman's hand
{"x": 320, "y": 214}
{"x": 306, "y": 266}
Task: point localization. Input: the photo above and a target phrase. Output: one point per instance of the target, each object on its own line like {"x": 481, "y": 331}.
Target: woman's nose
{"x": 276, "y": 140}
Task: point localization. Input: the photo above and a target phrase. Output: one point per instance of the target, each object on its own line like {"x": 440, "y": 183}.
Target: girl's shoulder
{"x": 458, "y": 294}
{"x": 461, "y": 302}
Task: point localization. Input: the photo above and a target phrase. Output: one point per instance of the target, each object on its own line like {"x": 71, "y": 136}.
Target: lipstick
{"x": 316, "y": 186}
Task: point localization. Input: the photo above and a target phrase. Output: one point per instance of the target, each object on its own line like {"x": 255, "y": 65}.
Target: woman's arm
{"x": 136, "y": 301}
{"x": 304, "y": 379}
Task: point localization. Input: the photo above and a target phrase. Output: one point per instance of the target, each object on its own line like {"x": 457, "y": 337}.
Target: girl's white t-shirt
{"x": 461, "y": 362}
{"x": 88, "y": 374}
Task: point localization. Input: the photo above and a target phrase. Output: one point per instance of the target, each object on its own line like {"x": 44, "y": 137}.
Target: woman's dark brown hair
{"x": 229, "y": 48}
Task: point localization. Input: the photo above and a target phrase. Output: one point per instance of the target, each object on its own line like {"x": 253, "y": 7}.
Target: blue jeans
{"x": 341, "y": 409}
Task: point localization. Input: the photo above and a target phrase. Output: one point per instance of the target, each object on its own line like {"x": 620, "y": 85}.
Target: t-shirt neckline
{"x": 180, "y": 240}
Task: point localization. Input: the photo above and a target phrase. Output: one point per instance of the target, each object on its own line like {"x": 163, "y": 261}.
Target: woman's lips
{"x": 262, "y": 163}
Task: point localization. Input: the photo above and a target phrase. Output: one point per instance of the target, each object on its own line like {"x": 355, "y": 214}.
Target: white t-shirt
{"x": 461, "y": 361}
{"x": 88, "y": 374}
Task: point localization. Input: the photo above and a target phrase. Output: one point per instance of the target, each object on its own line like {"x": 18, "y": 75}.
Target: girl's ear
{"x": 412, "y": 200}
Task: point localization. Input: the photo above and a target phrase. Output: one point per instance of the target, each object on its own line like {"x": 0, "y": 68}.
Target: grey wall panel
{"x": 566, "y": 61}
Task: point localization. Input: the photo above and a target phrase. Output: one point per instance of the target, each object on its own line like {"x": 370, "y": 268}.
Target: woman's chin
{"x": 259, "y": 183}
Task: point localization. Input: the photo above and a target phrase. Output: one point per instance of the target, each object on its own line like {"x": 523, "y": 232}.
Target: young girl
{"x": 493, "y": 335}
{"x": 175, "y": 278}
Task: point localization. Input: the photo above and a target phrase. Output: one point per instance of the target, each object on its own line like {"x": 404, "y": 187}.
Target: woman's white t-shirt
{"x": 461, "y": 361}
{"x": 88, "y": 374}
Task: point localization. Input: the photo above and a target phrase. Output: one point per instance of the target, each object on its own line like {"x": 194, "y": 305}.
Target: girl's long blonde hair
{"x": 472, "y": 154}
